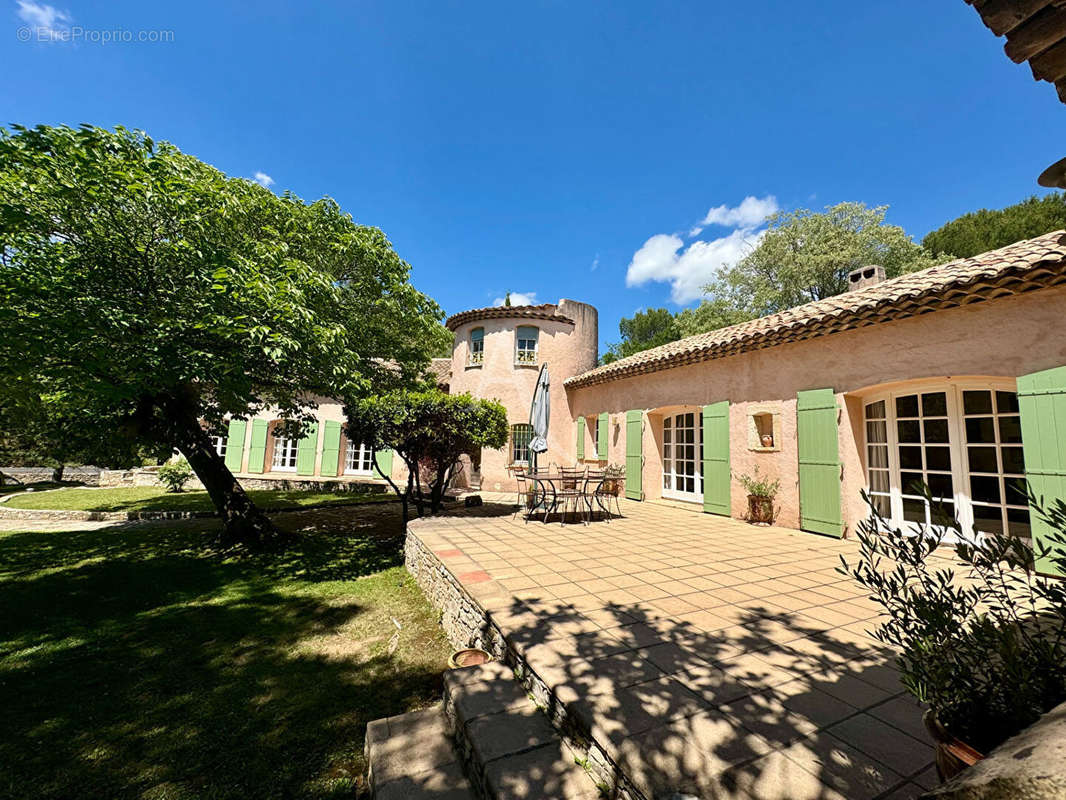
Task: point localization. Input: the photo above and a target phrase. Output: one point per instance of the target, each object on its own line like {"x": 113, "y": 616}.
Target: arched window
{"x": 520, "y": 437}
{"x": 477, "y": 346}
{"x": 526, "y": 345}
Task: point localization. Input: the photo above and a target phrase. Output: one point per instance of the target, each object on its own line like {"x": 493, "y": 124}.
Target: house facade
{"x": 953, "y": 377}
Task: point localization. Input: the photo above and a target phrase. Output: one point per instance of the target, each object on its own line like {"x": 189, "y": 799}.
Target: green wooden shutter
{"x": 634, "y": 455}
{"x": 716, "y": 474}
{"x": 383, "y": 458}
{"x": 331, "y": 448}
{"x": 235, "y": 444}
{"x": 601, "y": 437}
{"x": 819, "y": 462}
{"x": 257, "y": 447}
{"x": 306, "y": 450}
{"x": 1042, "y": 402}
{"x": 580, "y": 438}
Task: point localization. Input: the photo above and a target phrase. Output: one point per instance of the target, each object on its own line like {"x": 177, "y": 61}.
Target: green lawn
{"x": 152, "y": 498}
{"x": 138, "y": 662}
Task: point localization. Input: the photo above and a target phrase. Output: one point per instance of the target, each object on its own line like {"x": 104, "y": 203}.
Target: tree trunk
{"x": 242, "y": 520}
{"x": 57, "y": 474}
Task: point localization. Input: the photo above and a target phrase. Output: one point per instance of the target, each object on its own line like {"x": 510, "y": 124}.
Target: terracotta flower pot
{"x": 760, "y": 509}
{"x": 767, "y": 440}
{"x": 952, "y": 755}
{"x": 468, "y": 657}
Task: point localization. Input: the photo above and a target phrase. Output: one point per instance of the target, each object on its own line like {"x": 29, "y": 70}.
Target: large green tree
{"x": 984, "y": 230}
{"x": 806, "y": 255}
{"x": 642, "y": 331}
{"x": 710, "y": 315}
{"x": 47, "y": 430}
{"x": 154, "y": 290}
{"x": 430, "y": 431}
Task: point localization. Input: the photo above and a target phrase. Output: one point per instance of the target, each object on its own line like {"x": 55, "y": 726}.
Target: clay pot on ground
{"x": 952, "y": 755}
{"x": 468, "y": 657}
{"x": 760, "y": 509}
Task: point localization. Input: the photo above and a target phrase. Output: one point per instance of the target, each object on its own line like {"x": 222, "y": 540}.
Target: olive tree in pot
{"x": 980, "y": 639}
{"x": 761, "y": 494}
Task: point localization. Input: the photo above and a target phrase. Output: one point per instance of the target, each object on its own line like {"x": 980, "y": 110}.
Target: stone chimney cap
{"x": 870, "y": 275}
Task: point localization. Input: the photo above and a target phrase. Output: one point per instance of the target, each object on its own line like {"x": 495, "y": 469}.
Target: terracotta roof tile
{"x": 441, "y": 368}
{"x": 1020, "y": 267}
{"x": 544, "y": 311}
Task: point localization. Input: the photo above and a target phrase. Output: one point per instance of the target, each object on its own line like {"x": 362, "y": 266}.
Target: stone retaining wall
{"x": 90, "y": 476}
{"x": 467, "y": 624}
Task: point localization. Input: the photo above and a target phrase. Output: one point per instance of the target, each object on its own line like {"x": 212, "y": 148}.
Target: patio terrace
{"x": 680, "y": 652}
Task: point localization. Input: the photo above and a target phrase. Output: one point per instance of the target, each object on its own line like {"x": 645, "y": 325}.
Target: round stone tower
{"x": 497, "y": 355}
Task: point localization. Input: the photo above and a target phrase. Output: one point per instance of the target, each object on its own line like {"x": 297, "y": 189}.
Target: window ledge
{"x": 774, "y": 449}
{"x": 478, "y": 365}
{"x": 534, "y": 364}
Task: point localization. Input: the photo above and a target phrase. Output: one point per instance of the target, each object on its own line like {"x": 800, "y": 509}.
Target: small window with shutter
{"x": 477, "y": 346}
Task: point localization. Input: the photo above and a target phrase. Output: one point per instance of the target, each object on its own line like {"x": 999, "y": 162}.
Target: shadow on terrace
{"x": 739, "y": 700}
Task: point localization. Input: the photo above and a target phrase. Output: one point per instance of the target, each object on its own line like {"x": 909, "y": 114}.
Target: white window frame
{"x": 670, "y": 476}
{"x": 476, "y": 355}
{"x": 514, "y": 443}
{"x": 524, "y": 355}
{"x": 219, "y": 442}
{"x": 285, "y": 450}
{"x": 960, "y": 469}
{"x": 363, "y": 455}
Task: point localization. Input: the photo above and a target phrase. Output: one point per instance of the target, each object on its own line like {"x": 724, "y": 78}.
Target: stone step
{"x": 509, "y": 748}
{"x": 412, "y": 757}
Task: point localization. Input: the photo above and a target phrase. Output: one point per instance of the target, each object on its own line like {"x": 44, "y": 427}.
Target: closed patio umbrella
{"x": 539, "y": 412}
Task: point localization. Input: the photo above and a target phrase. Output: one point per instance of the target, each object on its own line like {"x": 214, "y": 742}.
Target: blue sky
{"x": 552, "y": 149}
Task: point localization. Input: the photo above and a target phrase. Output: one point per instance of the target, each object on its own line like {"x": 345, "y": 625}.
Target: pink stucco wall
{"x": 568, "y": 349}
{"x": 327, "y": 410}
{"x": 1001, "y": 338}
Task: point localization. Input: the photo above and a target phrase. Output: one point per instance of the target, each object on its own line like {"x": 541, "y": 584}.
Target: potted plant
{"x": 761, "y": 493}
{"x": 984, "y": 646}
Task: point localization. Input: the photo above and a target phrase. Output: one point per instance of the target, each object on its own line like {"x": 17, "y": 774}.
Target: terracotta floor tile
{"x": 900, "y": 752}
{"x": 762, "y": 640}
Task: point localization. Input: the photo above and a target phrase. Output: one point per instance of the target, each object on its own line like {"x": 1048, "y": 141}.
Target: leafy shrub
{"x": 985, "y": 644}
{"x": 759, "y": 485}
{"x": 175, "y": 474}
{"x": 430, "y": 430}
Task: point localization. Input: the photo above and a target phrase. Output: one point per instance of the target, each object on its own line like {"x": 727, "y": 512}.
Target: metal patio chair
{"x": 570, "y": 491}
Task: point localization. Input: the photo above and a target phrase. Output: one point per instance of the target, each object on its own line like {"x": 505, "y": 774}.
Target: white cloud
{"x": 751, "y": 213}
{"x": 48, "y": 24}
{"x": 689, "y": 270}
{"x": 518, "y": 299}
{"x": 665, "y": 258}
{"x": 595, "y": 263}
{"x": 263, "y": 179}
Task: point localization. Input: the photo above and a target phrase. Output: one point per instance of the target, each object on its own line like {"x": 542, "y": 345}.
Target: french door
{"x": 284, "y": 455}
{"x": 962, "y": 441}
{"x": 682, "y": 456}
{"x": 357, "y": 460}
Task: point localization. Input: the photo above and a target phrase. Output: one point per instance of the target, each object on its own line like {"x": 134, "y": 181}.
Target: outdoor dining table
{"x": 548, "y": 486}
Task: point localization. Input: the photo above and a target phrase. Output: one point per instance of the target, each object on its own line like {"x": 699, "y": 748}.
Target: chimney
{"x": 870, "y": 275}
